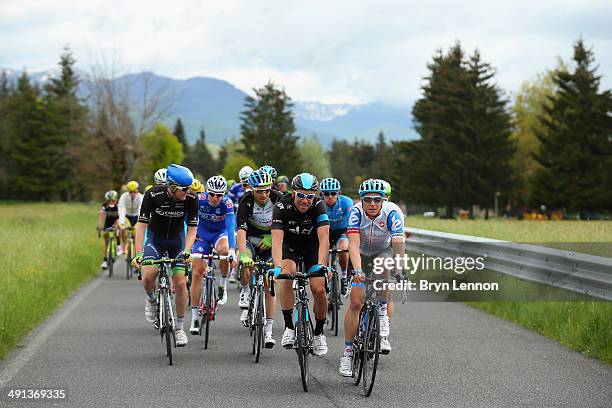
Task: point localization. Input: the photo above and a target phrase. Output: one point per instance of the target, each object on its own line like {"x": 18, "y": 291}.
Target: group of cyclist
{"x": 262, "y": 217}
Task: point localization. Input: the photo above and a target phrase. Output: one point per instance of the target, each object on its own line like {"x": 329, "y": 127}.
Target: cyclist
{"x": 160, "y": 176}
{"x": 375, "y": 230}
{"x": 254, "y": 240}
{"x": 109, "y": 214}
{"x": 163, "y": 213}
{"x": 338, "y": 209}
{"x": 238, "y": 190}
{"x": 300, "y": 228}
{"x": 129, "y": 207}
{"x": 282, "y": 184}
{"x": 216, "y": 228}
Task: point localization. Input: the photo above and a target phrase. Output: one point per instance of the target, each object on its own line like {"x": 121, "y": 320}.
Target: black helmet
{"x": 304, "y": 181}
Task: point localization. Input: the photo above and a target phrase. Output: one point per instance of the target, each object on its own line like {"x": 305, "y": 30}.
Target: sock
{"x": 268, "y": 326}
{"x": 319, "y": 327}
{"x": 151, "y": 297}
{"x": 348, "y": 348}
{"x": 383, "y": 309}
{"x": 194, "y": 313}
{"x": 288, "y": 316}
{"x": 245, "y": 288}
{"x": 223, "y": 281}
{"x": 179, "y": 322}
{"x": 344, "y": 273}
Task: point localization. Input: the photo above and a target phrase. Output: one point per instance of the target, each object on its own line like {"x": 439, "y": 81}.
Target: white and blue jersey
{"x": 214, "y": 224}
{"x": 375, "y": 234}
{"x": 339, "y": 213}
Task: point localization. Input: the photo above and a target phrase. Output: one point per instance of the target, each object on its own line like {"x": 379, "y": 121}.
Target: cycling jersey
{"x": 215, "y": 222}
{"x": 129, "y": 206}
{"x": 300, "y": 228}
{"x": 236, "y": 193}
{"x": 166, "y": 215}
{"x": 112, "y": 214}
{"x": 254, "y": 218}
{"x": 339, "y": 213}
{"x": 375, "y": 235}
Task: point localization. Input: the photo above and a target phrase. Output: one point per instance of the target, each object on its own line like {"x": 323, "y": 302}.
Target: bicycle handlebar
{"x": 160, "y": 261}
{"x": 294, "y": 276}
{"x": 338, "y": 251}
{"x": 212, "y": 256}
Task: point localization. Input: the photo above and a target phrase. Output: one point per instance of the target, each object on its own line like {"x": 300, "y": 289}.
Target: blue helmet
{"x": 260, "y": 178}
{"x": 270, "y": 170}
{"x": 330, "y": 184}
{"x": 304, "y": 181}
{"x": 179, "y": 175}
{"x": 372, "y": 186}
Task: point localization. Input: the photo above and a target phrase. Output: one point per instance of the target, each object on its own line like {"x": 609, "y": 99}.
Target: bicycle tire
{"x": 357, "y": 363}
{"x": 128, "y": 259}
{"x": 111, "y": 259}
{"x": 302, "y": 346}
{"x": 251, "y": 321}
{"x": 259, "y": 323}
{"x": 371, "y": 352}
{"x": 166, "y": 328}
{"x": 209, "y": 295}
{"x": 335, "y": 302}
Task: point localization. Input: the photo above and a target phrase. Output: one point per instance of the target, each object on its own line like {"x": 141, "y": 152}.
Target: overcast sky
{"x": 328, "y": 51}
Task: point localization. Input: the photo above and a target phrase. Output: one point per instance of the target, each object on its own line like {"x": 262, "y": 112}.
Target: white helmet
{"x": 160, "y": 176}
{"x": 244, "y": 173}
{"x": 216, "y": 184}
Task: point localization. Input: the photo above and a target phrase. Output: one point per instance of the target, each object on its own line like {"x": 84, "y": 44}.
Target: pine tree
{"x": 5, "y": 141}
{"x": 576, "y": 144}
{"x": 200, "y": 160}
{"x": 179, "y": 132}
{"x": 268, "y": 131}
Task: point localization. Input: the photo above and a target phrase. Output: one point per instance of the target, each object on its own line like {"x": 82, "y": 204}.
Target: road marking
{"x": 40, "y": 334}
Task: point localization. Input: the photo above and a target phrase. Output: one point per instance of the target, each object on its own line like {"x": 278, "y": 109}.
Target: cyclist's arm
{"x": 144, "y": 215}
{"x": 122, "y": 208}
{"x": 101, "y": 218}
{"x": 322, "y": 223}
{"x": 277, "y": 246}
{"x": 191, "y": 236}
{"x": 395, "y": 224}
{"x": 140, "y": 233}
{"x": 354, "y": 225}
{"x": 192, "y": 222}
{"x": 230, "y": 223}
{"x": 242, "y": 234}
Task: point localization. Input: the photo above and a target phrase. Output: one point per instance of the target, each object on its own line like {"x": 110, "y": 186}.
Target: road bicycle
{"x": 335, "y": 300}
{"x": 304, "y": 331}
{"x": 111, "y": 248}
{"x": 131, "y": 251}
{"x": 256, "y": 314}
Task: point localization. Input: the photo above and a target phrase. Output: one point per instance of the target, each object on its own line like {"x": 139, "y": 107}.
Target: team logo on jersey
{"x": 280, "y": 205}
{"x": 382, "y": 224}
{"x": 230, "y": 204}
{"x": 354, "y": 219}
{"x": 397, "y": 224}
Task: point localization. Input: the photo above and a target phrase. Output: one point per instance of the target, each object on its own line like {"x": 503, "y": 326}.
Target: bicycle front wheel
{"x": 303, "y": 344}
{"x": 111, "y": 256}
{"x": 128, "y": 260}
{"x": 259, "y": 322}
{"x": 335, "y": 296}
{"x": 166, "y": 326}
{"x": 371, "y": 352}
{"x": 209, "y": 311}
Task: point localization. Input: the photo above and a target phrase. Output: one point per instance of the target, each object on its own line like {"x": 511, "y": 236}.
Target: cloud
{"x": 340, "y": 51}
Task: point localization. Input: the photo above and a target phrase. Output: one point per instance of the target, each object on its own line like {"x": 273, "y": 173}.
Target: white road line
{"x": 40, "y": 334}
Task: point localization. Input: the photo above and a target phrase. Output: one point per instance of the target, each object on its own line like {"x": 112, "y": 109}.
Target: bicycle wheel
{"x": 259, "y": 322}
{"x": 251, "y": 320}
{"x": 166, "y": 327}
{"x": 111, "y": 257}
{"x": 128, "y": 260}
{"x": 209, "y": 311}
{"x": 335, "y": 306}
{"x": 358, "y": 349}
{"x": 303, "y": 344}
{"x": 371, "y": 352}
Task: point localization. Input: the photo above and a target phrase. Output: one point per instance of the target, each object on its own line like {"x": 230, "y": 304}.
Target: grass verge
{"x": 49, "y": 250}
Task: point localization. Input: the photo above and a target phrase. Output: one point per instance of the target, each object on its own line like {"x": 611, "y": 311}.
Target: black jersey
{"x": 300, "y": 228}
{"x": 112, "y": 214}
{"x": 255, "y": 219}
{"x": 165, "y": 215}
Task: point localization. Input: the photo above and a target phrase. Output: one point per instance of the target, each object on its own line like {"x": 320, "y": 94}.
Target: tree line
{"x": 552, "y": 147}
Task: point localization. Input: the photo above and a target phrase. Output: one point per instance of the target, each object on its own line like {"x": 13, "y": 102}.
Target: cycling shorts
{"x": 156, "y": 247}
{"x": 261, "y": 254}
{"x": 203, "y": 243}
{"x": 310, "y": 255}
{"x": 335, "y": 236}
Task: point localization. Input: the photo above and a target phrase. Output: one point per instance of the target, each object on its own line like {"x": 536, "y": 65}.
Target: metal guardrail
{"x": 573, "y": 271}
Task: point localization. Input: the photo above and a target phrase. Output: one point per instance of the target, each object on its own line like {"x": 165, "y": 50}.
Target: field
{"x": 583, "y": 326}
{"x": 49, "y": 250}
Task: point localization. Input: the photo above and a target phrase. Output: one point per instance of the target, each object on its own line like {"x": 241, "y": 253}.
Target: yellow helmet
{"x": 132, "y": 186}
{"x": 197, "y": 186}
{"x": 148, "y": 187}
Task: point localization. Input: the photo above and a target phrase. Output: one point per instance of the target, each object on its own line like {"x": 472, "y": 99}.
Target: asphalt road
{"x": 100, "y": 349}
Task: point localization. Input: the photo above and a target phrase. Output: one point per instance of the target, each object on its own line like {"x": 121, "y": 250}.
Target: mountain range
{"x": 216, "y": 105}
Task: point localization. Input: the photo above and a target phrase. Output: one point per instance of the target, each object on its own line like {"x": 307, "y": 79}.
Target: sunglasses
{"x": 330, "y": 193}
{"x": 262, "y": 191}
{"x": 302, "y": 196}
{"x": 215, "y": 195}
{"x": 175, "y": 188}
{"x": 372, "y": 200}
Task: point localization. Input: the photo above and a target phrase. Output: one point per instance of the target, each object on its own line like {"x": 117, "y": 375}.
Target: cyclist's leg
{"x": 175, "y": 246}
{"x": 123, "y": 237}
{"x": 245, "y": 280}
{"x": 286, "y": 292}
{"x": 149, "y": 274}
{"x": 222, "y": 248}
{"x": 197, "y": 272}
{"x": 270, "y": 300}
{"x": 342, "y": 244}
{"x": 317, "y": 288}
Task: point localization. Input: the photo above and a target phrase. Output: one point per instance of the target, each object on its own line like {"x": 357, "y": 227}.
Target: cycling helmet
{"x": 197, "y": 186}
{"x": 216, "y": 184}
{"x": 132, "y": 186}
{"x": 260, "y": 178}
{"x": 387, "y": 188}
{"x": 330, "y": 184}
{"x": 282, "y": 179}
{"x": 372, "y": 186}
{"x": 244, "y": 173}
{"x": 230, "y": 183}
{"x": 160, "y": 176}
{"x": 179, "y": 175}
{"x": 304, "y": 181}
{"x": 111, "y": 195}
{"x": 270, "y": 170}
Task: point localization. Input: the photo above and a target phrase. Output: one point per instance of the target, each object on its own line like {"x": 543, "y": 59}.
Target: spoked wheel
{"x": 128, "y": 260}
{"x": 208, "y": 315}
{"x": 358, "y": 351}
{"x": 335, "y": 306}
{"x": 259, "y": 324}
{"x": 166, "y": 327}
{"x": 303, "y": 334}
{"x": 371, "y": 352}
{"x": 111, "y": 258}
